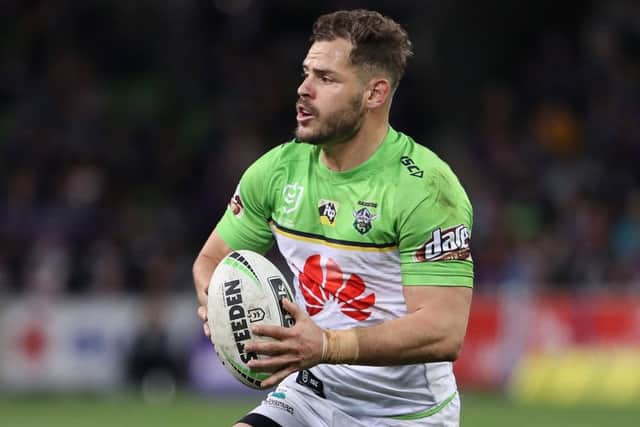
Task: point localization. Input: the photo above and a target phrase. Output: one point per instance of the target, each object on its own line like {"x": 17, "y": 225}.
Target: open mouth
{"x": 303, "y": 113}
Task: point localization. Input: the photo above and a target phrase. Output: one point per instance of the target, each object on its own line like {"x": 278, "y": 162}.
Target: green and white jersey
{"x": 352, "y": 240}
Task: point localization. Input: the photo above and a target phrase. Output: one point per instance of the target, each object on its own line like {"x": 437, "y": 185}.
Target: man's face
{"x": 330, "y": 98}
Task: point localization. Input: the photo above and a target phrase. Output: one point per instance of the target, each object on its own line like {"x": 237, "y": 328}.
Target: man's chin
{"x": 305, "y": 135}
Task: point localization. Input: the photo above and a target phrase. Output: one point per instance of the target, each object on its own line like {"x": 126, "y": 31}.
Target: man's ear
{"x": 378, "y": 93}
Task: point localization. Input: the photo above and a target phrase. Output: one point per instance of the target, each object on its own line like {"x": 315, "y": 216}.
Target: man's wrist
{"x": 340, "y": 346}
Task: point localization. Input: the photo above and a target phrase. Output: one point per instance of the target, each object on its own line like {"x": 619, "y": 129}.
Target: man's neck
{"x": 346, "y": 155}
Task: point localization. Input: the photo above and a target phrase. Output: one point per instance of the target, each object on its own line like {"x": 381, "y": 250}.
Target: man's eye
{"x": 326, "y": 79}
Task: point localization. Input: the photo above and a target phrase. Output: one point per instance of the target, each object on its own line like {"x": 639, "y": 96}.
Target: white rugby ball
{"x": 245, "y": 289}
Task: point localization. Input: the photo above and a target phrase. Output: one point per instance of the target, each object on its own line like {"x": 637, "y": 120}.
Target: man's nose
{"x": 305, "y": 89}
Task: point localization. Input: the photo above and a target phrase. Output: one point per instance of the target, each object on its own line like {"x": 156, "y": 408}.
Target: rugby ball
{"x": 245, "y": 289}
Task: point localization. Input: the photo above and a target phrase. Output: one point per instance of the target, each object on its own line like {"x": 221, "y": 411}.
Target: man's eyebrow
{"x": 320, "y": 71}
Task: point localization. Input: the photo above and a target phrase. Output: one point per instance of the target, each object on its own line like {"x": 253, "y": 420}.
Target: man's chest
{"x": 358, "y": 212}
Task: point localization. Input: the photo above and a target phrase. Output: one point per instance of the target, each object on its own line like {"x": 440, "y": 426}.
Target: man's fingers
{"x": 292, "y": 308}
{"x": 277, "y": 377}
{"x": 202, "y": 299}
{"x": 202, "y": 314}
{"x": 272, "y": 364}
{"x": 277, "y": 332}
{"x": 268, "y": 348}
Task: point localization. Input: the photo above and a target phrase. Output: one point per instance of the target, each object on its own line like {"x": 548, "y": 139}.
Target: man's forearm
{"x": 414, "y": 338}
{"x": 206, "y": 262}
{"x": 202, "y": 270}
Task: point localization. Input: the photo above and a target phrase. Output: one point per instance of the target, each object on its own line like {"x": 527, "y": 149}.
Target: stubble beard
{"x": 337, "y": 127}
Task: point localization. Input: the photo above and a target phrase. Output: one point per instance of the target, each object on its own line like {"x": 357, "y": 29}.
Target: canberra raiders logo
{"x": 363, "y": 219}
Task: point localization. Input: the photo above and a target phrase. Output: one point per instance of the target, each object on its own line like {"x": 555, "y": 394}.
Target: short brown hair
{"x": 379, "y": 43}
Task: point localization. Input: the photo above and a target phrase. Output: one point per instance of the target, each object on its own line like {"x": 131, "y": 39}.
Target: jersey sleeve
{"x": 435, "y": 235}
{"x": 245, "y": 223}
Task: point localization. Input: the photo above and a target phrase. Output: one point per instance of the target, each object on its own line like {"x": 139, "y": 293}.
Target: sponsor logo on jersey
{"x": 323, "y": 283}
{"x": 292, "y": 194}
{"x": 411, "y": 166}
{"x": 278, "y": 394}
{"x": 235, "y": 204}
{"x": 328, "y": 210}
{"x": 449, "y": 244}
{"x": 274, "y": 402}
{"x": 368, "y": 204}
{"x": 306, "y": 378}
{"x": 363, "y": 219}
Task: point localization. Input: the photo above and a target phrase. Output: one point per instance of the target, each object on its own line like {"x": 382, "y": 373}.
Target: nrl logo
{"x": 363, "y": 219}
{"x": 292, "y": 194}
{"x": 328, "y": 211}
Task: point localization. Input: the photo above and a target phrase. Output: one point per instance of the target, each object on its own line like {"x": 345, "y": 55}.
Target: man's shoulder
{"x": 417, "y": 160}
{"x": 286, "y": 152}
{"x": 279, "y": 162}
{"x": 424, "y": 173}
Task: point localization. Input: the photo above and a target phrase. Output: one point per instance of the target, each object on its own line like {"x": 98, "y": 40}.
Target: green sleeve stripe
{"x": 428, "y": 412}
{"x": 436, "y": 280}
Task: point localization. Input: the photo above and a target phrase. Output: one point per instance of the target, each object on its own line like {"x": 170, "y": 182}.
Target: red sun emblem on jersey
{"x": 321, "y": 284}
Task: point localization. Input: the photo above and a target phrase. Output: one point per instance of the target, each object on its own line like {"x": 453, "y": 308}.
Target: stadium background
{"x": 124, "y": 127}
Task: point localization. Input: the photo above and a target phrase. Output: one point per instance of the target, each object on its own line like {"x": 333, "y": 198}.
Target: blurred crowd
{"x": 553, "y": 164}
{"x": 124, "y": 127}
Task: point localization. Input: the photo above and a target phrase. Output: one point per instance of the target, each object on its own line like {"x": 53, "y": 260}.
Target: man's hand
{"x": 202, "y": 314}
{"x": 202, "y": 295}
{"x": 295, "y": 348}
{"x": 201, "y": 292}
